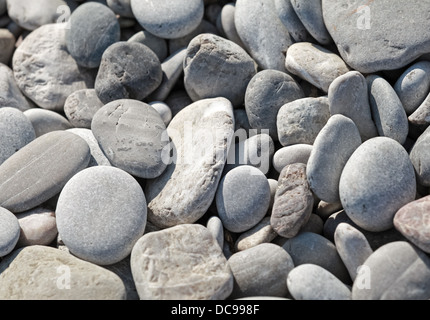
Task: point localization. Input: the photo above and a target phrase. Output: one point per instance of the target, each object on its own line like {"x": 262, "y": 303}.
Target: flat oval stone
{"x": 9, "y": 232}
{"x": 81, "y": 106}
{"x": 262, "y": 32}
{"x": 57, "y": 275}
{"x": 93, "y": 28}
{"x": 292, "y": 22}
{"x": 16, "y": 132}
{"x": 413, "y": 222}
{"x": 156, "y": 44}
{"x": 39, "y": 171}
{"x": 300, "y": 121}
{"x": 10, "y": 94}
{"x": 186, "y": 189}
{"x": 128, "y": 70}
{"x": 296, "y": 153}
{"x": 242, "y": 198}
{"x": 332, "y": 148}
{"x": 167, "y": 19}
{"x": 110, "y": 216}
{"x": 38, "y": 227}
{"x": 395, "y": 271}
{"x": 130, "y": 133}
{"x": 315, "y": 64}
{"x": 183, "y": 262}
{"x": 377, "y": 180}
{"x": 265, "y": 94}
{"x": 221, "y": 62}
{"x": 260, "y": 271}
{"x": 261, "y": 233}
{"x": 420, "y": 158}
{"x": 387, "y": 110}
{"x": 40, "y": 64}
{"x": 44, "y": 121}
{"x": 293, "y": 201}
{"x": 312, "y": 282}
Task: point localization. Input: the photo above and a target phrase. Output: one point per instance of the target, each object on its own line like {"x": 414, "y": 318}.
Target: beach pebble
{"x": 221, "y": 62}
{"x": 216, "y": 227}
{"x": 396, "y": 271}
{"x": 293, "y": 201}
{"x": 93, "y": 28}
{"x": 420, "y": 158}
{"x": 7, "y": 43}
{"x": 315, "y": 64}
{"x": 265, "y": 94}
{"x": 326, "y": 209}
{"x": 332, "y": 148}
{"x": 289, "y": 18}
{"x": 102, "y": 192}
{"x": 167, "y": 19}
{"x": 273, "y": 184}
{"x": 9, "y": 232}
{"x": 10, "y": 94}
{"x": 262, "y": 32}
{"x": 312, "y": 282}
{"x": 184, "y": 262}
{"x": 377, "y": 180}
{"x": 121, "y": 7}
{"x": 130, "y": 133}
{"x": 300, "y": 121}
{"x": 228, "y": 26}
{"x": 156, "y": 44}
{"x": 55, "y": 275}
{"x": 81, "y": 106}
{"x": 45, "y": 121}
{"x": 315, "y": 224}
{"x": 260, "y": 271}
{"x": 163, "y": 110}
{"x": 261, "y": 233}
{"x": 421, "y": 115}
{"x": 296, "y": 153}
{"x": 16, "y": 131}
{"x": 242, "y": 198}
{"x": 38, "y": 227}
{"x": 128, "y": 70}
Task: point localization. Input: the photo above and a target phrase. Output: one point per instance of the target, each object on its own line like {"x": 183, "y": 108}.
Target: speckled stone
{"x": 38, "y": 227}
{"x": 10, "y": 94}
{"x": 45, "y": 121}
{"x": 81, "y": 106}
{"x": 9, "y": 232}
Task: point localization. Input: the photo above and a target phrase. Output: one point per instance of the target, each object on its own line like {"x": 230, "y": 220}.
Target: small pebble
{"x": 164, "y": 111}
{"x": 296, "y": 153}
{"x": 261, "y": 233}
{"x": 38, "y": 227}
{"x": 9, "y": 232}
{"x": 216, "y": 227}
{"x": 45, "y": 121}
{"x": 156, "y": 44}
{"x": 421, "y": 116}
{"x": 81, "y": 106}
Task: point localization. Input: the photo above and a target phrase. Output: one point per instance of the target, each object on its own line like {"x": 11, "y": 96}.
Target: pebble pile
{"x": 215, "y": 149}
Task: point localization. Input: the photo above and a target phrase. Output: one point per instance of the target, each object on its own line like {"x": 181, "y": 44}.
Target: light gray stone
{"x": 10, "y": 94}
{"x": 81, "y": 106}
{"x": 9, "y": 231}
{"x": 121, "y": 7}
{"x": 289, "y": 18}
{"x": 273, "y": 184}
{"x": 7, "y": 43}
{"x": 38, "y": 227}
{"x": 156, "y": 44}
{"x": 45, "y": 121}
{"x": 228, "y": 25}
{"x": 163, "y": 110}
{"x": 261, "y": 233}
{"x": 216, "y": 227}
{"x": 296, "y": 153}
{"x": 420, "y": 158}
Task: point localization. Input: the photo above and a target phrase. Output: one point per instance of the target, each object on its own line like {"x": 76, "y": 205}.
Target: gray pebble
{"x": 121, "y": 7}
{"x": 420, "y": 158}
{"x": 421, "y": 116}
{"x": 326, "y": 209}
{"x": 10, "y": 94}
{"x": 9, "y": 232}
{"x": 315, "y": 224}
{"x": 261, "y": 233}
{"x": 221, "y": 62}
{"x": 163, "y": 110}
{"x": 216, "y": 227}
{"x": 273, "y": 184}
{"x": 289, "y": 18}
{"x": 156, "y": 44}
{"x": 102, "y": 192}
{"x": 312, "y": 282}
{"x": 260, "y": 271}
{"x": 296, "y": 153}
{"x": 3, "y": 7}
{"x": 228, "y": 25}
{"x": 81, "y": 106}
{"x": 7, "y": 43}
{"x": 45, "y": 121}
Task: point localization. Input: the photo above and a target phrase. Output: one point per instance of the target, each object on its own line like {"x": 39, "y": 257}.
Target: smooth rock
{"x": 10, "y": 94}
{"x": 163, "y": 110}
{"x": 300, "y": 121}
{"x": 228, "y": 25}
{"x": 241, "y": 120}
{"x": 387, "y": 110}
{"x": 262, "y": 32}
{"x": 326, "y": 209}
{"x": 181, "y": 263}
{"x": 333, "y": 146}
{"x": 293, "y": 201}
{"x": 45, "y": 121}
{"x": 44, "y": 69}
{"x": 121, "y": 7}
{"x": 55, "y": 275}
{"x": 81, "y": 106}
{"x": 315, "y": 224}
{"x": 7, "y": 43}
{"x": 296, "y": 153}
{"x": 292, "y": 22}
{"x": 167, "y": 19}
{"x": 222, "y": 63}
{"x": 156, "y": 44}
{"x": 128, "y": 70}
{"x": 93, "y": 28}
{"x": 421, "y": 116}
{"x": 242, "y": 198}
{"x": 38, "y": 227}
{"x": 261, "y": 233}
{"x": 105, "y": 194}
{"x": 396, "y": 271}
{"x": 216, "y": 227}
{"x": 315, "y": 64}
{"x": 348, "y": 95}
{"x": 377, "y": 180}
{"x": 260, "y": 271}
{"x": 38, "y": 171}
{"x": 186, "y": 189}
{"x": 9, "y": 231}
{"x": 132, "y": 136}
{"x": 420, "y": 158}
{"x": 16, "y": 131}
{"x": 265, "y": 94}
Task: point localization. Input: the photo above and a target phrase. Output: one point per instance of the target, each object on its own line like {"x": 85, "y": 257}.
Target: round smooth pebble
{"x": 81, "y": 106}
{"x": 242, "y": 198}
{"x": 265, "y": 94}
{"x": 93, "y": 28}
{"x": 333, "y": 146}
{"x": 167, "y": 19}
{"x": 164, "y": 111}
{"x": 105, "y": 194}
{"x": 377, "y": 180}
{"x": 44, "y": 121}
{"x": 130, "y": 133}
{"x": 292, "y": 22}
{"x": 395, "y": 271}
{"x": 128, "y": 70}
{"x": 121, "y": 7}
{"x": 38, "y": 227}
{"x": 293, "y": 201}
{"x": 300, "y": 121}
{"x": 227, "y": 24}
{"x": 55, "y": 275}
{"x": 156, "y": 44}
{"x": 16, "y": 132}
{"x": 9, "y": 232}
{"x": 260, "y": 271}
{"x": 183, "y": 262}
{"x": 220, "y": 62}
{"x": 215, "y": 226}
{"x": 296, "y": 153}
{"x": 7, "y": 43}
{"x": 10, "y": 94}
{"x": 420, "y": 158}
{"x": 261, "y": 233}
{"x": 312, "y": 282}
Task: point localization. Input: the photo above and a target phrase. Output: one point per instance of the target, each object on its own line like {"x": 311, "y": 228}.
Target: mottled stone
{"x": 10, "y": 94}
{"x": 45, "y": 121}
{"x": 296, "y": 153}
{"x": 228, "y": 25}
{"x": 81, "y": 106}
{"x": 261, "y": 233}
{"x": 38, "y": 227}
{"x": 9, "y": 232}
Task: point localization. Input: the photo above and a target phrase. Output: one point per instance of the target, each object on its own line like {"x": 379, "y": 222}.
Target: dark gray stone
{"x": 45, "y": 121}
{"x": 121, "y": 7}
{"x": 81, "y": 106}
{"x": 9, "y": 232}
{"x": 163, "y": 110}
{"x": 289, "y": 18}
